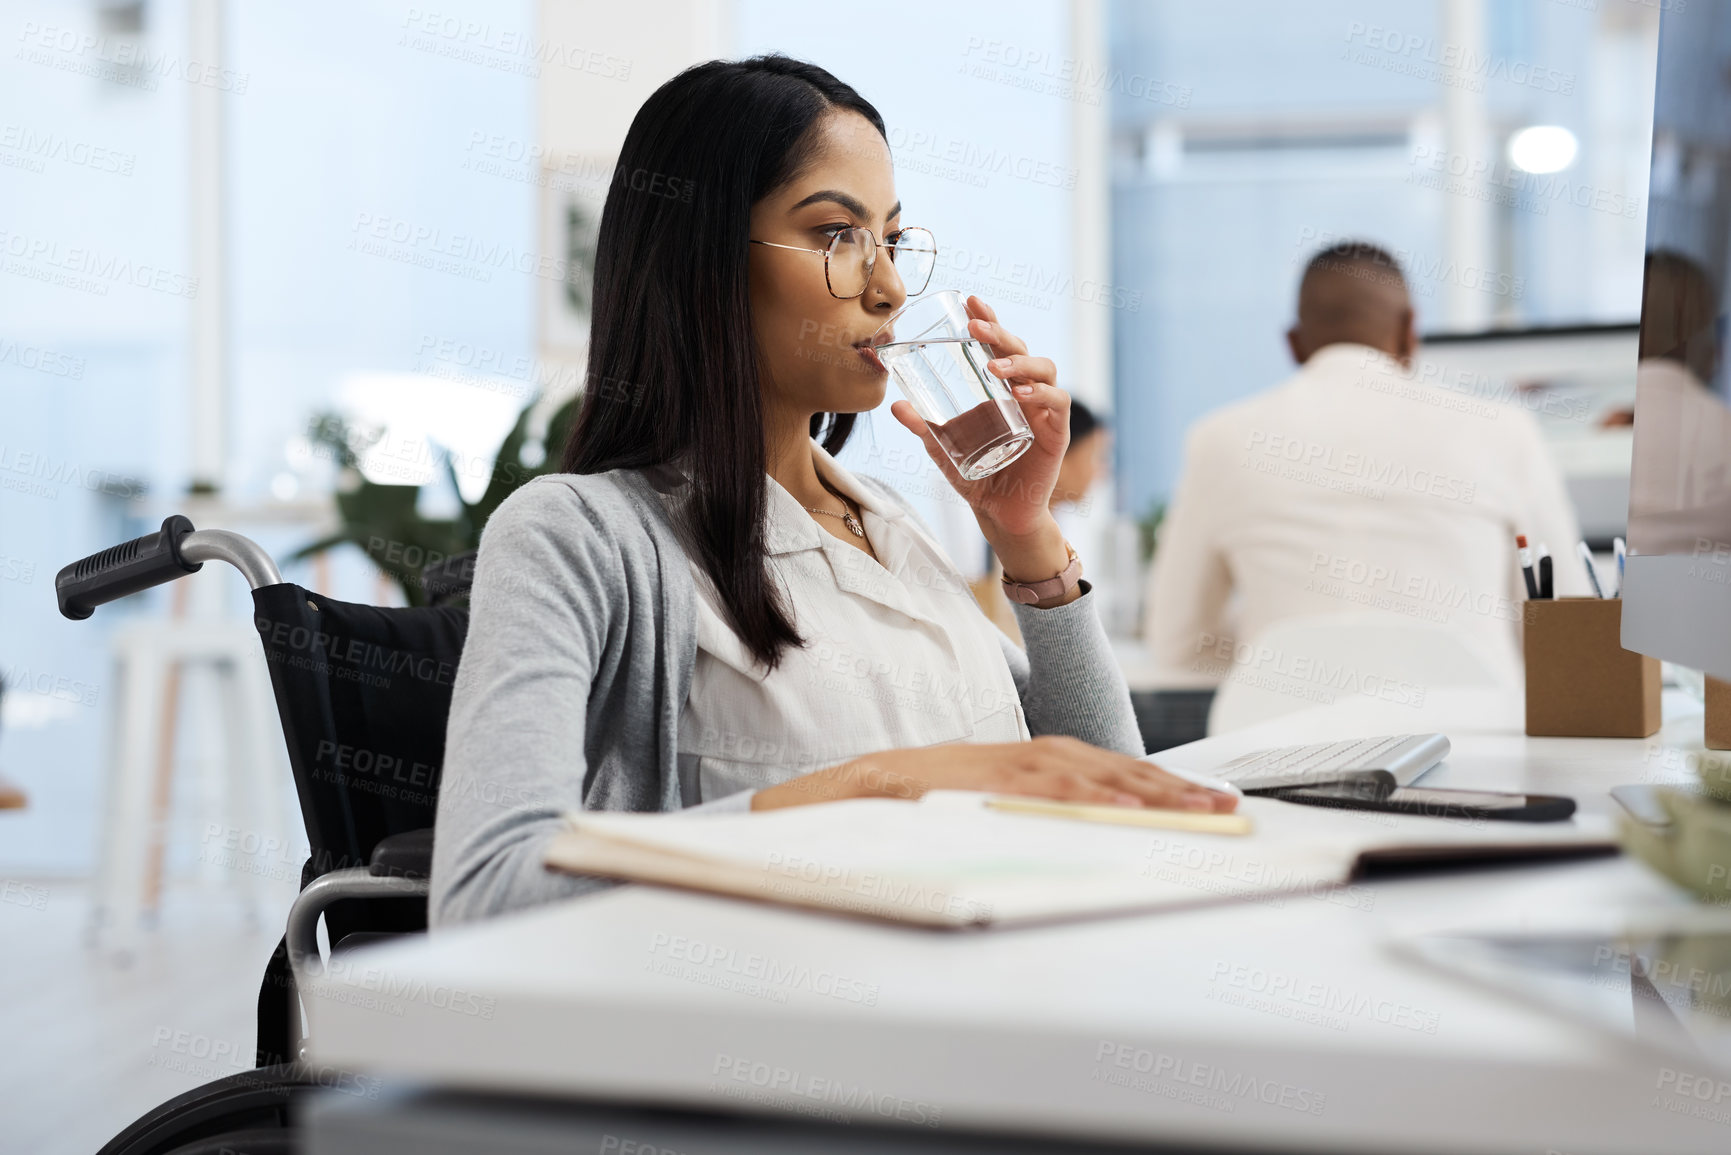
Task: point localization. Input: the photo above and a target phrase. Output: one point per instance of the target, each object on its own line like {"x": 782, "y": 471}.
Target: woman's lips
{"x": 867, "y": 348}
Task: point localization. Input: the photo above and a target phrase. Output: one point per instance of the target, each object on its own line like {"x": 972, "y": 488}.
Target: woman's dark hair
{"x": 673, "y": 368}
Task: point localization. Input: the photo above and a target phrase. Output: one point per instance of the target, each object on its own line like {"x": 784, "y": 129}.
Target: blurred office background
{"x": 222, "y": 220}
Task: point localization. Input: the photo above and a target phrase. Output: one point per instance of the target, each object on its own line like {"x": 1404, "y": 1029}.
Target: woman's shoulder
{"x": 593, "y": 545}
{"x": 609, "y": 502}
{"x": 616, "y": 514}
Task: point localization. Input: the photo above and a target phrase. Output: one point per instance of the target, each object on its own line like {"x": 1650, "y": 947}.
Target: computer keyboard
{"x": 1401, "y": 757}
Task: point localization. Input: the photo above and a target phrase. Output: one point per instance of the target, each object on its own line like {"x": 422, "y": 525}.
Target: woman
{"x": 704, "y": 610}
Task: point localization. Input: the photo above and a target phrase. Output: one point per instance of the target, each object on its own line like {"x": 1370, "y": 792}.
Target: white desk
{"x": 1020, "y": 1031}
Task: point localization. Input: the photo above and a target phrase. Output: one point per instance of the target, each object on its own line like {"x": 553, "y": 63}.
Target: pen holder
{"x": 1718, "y": 715}
{"x": 1581, "y": 682}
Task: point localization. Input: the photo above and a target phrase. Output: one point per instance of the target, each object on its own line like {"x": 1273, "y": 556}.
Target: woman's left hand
{"x": 1012, "y": 503}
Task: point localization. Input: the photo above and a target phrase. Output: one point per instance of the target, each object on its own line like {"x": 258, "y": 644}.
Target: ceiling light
{"x": 1543, "y": 148}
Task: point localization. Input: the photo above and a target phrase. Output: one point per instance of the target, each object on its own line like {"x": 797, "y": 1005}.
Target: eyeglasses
{"x": 853, "y": 254}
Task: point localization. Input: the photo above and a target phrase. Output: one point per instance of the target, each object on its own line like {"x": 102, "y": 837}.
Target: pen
{"x": 1546, "y": 589}
{"x": 1622, "y": 551}
{"x": 1526, "y": 556}
{"x": 1125, "y": 815}
{"x": 1592, "y": 570}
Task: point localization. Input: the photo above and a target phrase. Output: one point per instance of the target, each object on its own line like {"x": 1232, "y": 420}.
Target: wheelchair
{"x": 363, "y": 693}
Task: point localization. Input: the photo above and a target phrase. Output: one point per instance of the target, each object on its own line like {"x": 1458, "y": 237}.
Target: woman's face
{"x": 808, "y": 340}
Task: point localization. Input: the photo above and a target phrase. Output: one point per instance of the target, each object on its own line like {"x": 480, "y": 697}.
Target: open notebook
{"x": 949, "y": 861}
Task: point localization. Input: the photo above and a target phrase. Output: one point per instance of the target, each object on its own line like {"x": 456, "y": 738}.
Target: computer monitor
{"x": 1575, "y": 380}
{"x": 1677, "y": 588}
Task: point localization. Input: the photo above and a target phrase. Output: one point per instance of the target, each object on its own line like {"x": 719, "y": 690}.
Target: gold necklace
{"x": 847, "y": 519}
{"x": 846, "y": 515}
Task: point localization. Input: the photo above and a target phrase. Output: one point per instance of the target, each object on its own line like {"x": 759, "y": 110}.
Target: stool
{"x": 150, "y": 658}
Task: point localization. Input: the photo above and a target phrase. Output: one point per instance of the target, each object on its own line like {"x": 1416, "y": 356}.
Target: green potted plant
{"x": 1148, "y": 527}
{"x": 384, "y": 523}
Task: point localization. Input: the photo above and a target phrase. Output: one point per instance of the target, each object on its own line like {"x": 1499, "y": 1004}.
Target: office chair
{"x": 363, "y": 693}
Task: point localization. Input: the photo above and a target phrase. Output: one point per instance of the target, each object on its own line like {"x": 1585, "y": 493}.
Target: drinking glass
{"x": 941, "y": 370}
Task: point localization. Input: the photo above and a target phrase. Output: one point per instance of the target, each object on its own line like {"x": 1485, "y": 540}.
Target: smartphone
{"x": 1433, "y": 803}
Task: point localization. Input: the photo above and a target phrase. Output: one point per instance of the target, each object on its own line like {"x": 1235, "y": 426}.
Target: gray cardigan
{"x": 581, "y": 643}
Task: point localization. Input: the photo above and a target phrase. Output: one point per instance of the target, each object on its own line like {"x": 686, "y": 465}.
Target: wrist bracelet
{"x": 1028, "y": 593}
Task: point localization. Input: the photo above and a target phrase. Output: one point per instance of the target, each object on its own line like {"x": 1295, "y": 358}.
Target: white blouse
{"x": 897, "y": 654}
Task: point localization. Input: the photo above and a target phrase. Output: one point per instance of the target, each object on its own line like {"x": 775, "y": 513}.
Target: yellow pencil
{"x": 1191, "y": 820}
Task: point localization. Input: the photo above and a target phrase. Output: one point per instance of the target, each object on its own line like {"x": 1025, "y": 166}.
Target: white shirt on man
{"x": 1354, "y": 486}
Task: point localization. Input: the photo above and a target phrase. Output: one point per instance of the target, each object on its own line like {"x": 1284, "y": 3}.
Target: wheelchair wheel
{"x": 249, "y": 1113}
{"x": 254, "y": 1142}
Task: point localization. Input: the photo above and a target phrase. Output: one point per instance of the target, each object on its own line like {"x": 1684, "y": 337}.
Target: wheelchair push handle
{"x": 125, "y": 569}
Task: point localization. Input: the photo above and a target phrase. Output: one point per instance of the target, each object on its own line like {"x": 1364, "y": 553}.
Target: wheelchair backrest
{"x": 363, "y": 693}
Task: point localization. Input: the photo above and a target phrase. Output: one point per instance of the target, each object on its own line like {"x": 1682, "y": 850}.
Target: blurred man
{"x": 1359, "y": 484}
